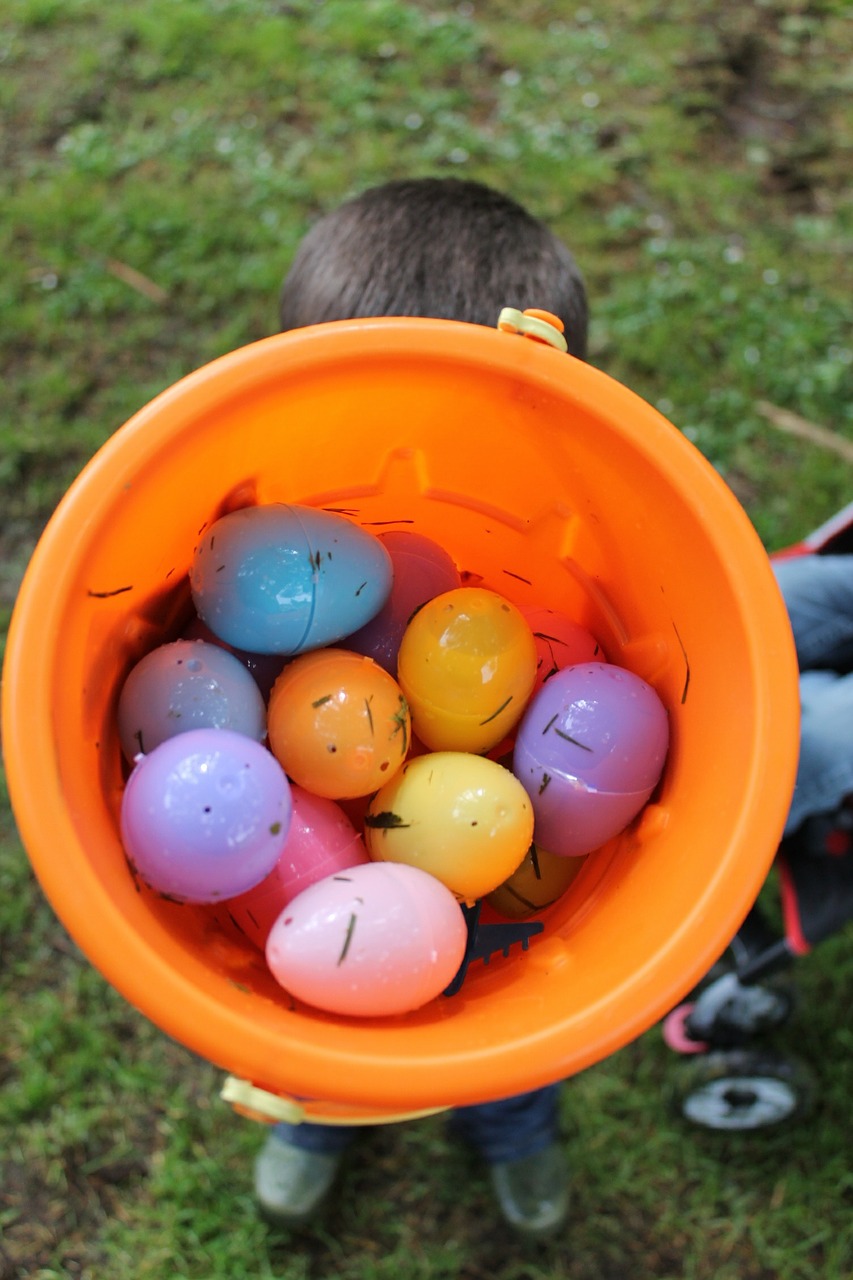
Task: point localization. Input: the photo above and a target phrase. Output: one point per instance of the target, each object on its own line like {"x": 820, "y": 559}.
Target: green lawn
{"x": 161, "y": 161}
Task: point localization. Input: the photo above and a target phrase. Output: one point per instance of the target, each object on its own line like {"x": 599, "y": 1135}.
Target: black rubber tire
{"x": 741, "y": 1090}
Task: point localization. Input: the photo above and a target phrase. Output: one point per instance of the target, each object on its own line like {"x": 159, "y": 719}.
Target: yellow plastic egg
{"x": 467, "y": 665}
{"x": 538, "y": 882}
{"x": 462, "y": 818}
{"x": 338, "y": 724}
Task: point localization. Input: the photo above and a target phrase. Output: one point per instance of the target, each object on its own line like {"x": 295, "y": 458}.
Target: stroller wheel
{"x": 743, "y": 1089}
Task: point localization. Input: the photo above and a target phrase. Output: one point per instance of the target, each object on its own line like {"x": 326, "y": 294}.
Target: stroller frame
{"x": 727, "y": 1082}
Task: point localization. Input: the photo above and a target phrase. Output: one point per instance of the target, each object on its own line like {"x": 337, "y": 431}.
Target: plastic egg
{"x": 338, "y": 723}
{"x": 463, "y": 818}
{"x": 534, "y": 886}
{"x": 264, "y": 668}
{"x": 281, "y": 579}
{"x": 374, "y": 941}
{"x": 321, "y": 842}
{"x": 187, "y": 684}
{"x": 589, "y": 751}
{"x": 467, "y": 664}
{"x": 422, "y": 570}
{"x": 205, "y": 815}
{"x": 560, "y": 642}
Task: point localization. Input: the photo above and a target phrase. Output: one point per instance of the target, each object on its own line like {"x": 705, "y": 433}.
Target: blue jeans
{"x": 818, "y": 593}
{"x": 506, "y": 1130}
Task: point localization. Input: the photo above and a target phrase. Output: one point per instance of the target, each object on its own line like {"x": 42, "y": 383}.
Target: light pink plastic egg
{"x": 373, "y": 941}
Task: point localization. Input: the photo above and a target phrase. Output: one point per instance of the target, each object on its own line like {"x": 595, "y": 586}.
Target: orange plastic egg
{"x": 338, "y": 723}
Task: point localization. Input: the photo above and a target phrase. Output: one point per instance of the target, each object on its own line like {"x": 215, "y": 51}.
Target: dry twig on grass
{"x": 793, "y": 425}
{"x": 141, "y": 283}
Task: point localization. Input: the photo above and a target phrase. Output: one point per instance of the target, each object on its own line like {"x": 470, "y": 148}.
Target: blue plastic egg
{"x": 282, "y": 579}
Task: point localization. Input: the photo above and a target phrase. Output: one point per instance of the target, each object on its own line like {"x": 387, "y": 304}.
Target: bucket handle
{"x": 271, "y": 1108}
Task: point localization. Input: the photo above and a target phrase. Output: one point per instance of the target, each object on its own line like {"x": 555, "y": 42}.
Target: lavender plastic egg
{"x": 422, "y": 570}
{"x": 282, "y": 579}
{"x": 589, "y": 752}
{"x": 187, "y": 684}
{"x": 205, "y": 815}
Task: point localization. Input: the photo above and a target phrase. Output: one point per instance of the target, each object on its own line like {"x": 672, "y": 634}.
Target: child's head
{"x": 436, "y": 247}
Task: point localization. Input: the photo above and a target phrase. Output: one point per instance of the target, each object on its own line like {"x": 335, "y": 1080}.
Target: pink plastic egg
{"x": 560, "y": 642}
{"x": 374, "y": 941}
{"x": 589, "y": 751}
{"x": 321, "y": 842}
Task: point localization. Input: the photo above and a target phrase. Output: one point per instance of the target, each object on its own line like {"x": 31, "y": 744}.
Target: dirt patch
{"x": 51, "y": 1224}
{"x": 750, "y": 79}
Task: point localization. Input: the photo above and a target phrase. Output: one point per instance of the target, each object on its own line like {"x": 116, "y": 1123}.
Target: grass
{"x": 161, "y": 162}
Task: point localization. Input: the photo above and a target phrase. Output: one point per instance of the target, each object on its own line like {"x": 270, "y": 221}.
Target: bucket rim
{"x": 27, "y": 733}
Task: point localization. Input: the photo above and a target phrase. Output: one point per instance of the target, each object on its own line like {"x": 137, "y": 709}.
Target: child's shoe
{"x": 291, "y": 1183}
{"x": 533, "y": 1192}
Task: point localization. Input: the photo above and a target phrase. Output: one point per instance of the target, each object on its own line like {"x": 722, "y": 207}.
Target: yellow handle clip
{"x": 540, "y": 326}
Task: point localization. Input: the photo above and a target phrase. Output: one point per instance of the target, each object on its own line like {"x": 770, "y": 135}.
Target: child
{"x": 436, "y": 247}
{"x": 457, "y": 250}
{"x": 818, "y": 593}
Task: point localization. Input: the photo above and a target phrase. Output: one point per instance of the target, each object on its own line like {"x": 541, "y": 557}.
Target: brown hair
{"x": 437, "y": 247}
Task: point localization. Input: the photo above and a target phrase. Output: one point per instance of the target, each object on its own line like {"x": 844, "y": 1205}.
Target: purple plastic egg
{"x": 264, "y": 668}
{"x": 422, "y": 570}
{"x": 589, "y": 752}
{"x": 187, "y": 684}
{"x": 205, "y": 815}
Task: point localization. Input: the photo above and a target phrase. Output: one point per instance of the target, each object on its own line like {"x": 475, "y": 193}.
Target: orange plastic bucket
{"x": 557, "y": 485}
